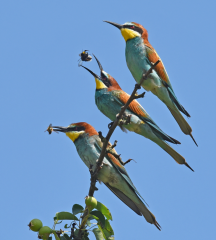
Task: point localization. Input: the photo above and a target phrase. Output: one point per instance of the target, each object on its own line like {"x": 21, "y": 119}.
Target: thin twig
{"x": 128, "y": 161}
{"x": 114, "y": 145}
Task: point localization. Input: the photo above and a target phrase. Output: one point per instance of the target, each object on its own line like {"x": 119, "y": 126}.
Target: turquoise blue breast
{"x": 137, "y": 61}
{"x": 86, "y": 150}
{"x": 106, "y": 103}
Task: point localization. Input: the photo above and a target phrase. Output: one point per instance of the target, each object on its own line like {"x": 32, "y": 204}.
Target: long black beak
{"x": 61, "y": 129}
{"x": 119, "y": 26}
{"x": 101, "y": 68}
{"x": 95, "y": 75}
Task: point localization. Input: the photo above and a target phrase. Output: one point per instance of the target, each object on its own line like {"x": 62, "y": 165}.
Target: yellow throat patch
{"x": 74, "y": 135}
{"x": 129, "y": 34}
{"x": 99, "y": 84}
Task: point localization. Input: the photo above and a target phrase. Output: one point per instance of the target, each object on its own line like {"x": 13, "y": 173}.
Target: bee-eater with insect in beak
{"x": 109, "y": 98}
{"x": 112, "y": 173}
{"x": 140, "y": 56}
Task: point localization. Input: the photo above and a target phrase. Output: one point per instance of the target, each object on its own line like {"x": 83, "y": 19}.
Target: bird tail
{"x": 185, "y": 127}
{"x": 137, "y": 206}
{"x": 176, "y": 156}
{"x": 148, "y": 215}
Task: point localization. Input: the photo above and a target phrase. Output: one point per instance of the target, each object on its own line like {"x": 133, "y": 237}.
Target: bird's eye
{"x": 132, "y": 26}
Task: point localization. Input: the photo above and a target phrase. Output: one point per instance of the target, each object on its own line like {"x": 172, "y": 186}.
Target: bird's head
{"x": 104, "y": 80}
{"x": 131, "y": 30}
{"x": 76, "y": 130}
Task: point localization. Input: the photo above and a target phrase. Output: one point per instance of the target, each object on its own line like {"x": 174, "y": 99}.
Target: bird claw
{"x": 138, "y": 86}
{"x": 101, "y": 166}
{"x": 91, "y": 168}
{"x": 101, "y": 136}
{"x": 110, "y": 125}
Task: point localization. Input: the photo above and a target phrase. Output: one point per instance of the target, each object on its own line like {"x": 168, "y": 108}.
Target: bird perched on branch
{"x": 112, "y": 173}
{"x": 109, "y": 98}
{"x": 140, "y": 55}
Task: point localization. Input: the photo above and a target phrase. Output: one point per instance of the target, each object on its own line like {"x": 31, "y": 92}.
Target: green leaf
{"x": 104, "y": 210}
{"x": 56, "y": 236}
{"x": 107, "y": 231}
{"x": 98, "y": 234}
{"x": 77, "y": 209}
{"x": 66, "y": 226}
{"x": 101, "y": 229}
{"x": 85, "y": 238}
{"x": 59, "y": 222}
{"x": 99, "y": 217}
{"x": 65, "y": 216}
{"x": 76, "y": 232}
{"x": 90, "y": 218}
{"x": 108, "y": 228}
{"x": 65, "y": 237}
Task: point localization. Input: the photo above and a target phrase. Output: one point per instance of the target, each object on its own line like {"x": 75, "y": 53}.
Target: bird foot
{"x": 138, "y": 86}
{"x": 101, "y": 136}
{"x": 110, "y": 125}
{"x": 91, "y": 168}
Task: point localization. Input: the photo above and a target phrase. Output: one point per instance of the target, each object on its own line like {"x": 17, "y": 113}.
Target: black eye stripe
{"x": 77, "y": 129}
{"x": 105, "y": 80}
{"x": 135, "y": 28}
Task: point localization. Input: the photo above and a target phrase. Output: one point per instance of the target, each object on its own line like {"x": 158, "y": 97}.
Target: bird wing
{"x": 117, "y": 165}
{"x": 174, "y": 99}
{"x": 124, "y": 199}
{"x": 122, "y": 97}
{"x": 160, "y": 69}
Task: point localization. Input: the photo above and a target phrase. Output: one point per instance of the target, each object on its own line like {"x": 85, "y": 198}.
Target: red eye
{"x": 132, "y": 27}
{"x": 76, "y": 128}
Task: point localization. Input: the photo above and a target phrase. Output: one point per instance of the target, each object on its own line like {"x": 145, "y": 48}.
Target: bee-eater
{"x": 112, "y": 173}
{"x": 140, "y": 55}
{"x": 109, "y": 98}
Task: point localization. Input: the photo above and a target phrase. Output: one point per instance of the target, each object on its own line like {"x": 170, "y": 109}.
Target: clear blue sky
{"x": 42, "y": 84}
